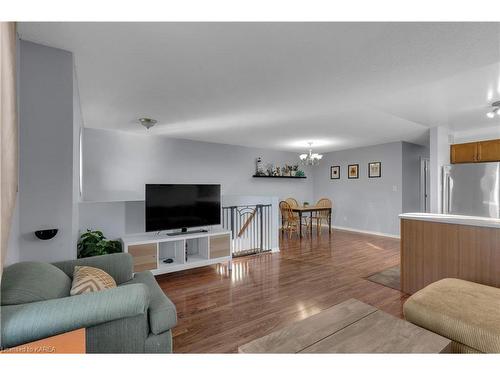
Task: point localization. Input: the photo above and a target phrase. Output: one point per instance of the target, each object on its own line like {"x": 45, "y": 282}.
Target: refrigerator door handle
{"x": 446, "y": 191}
{"x": 448, "y": 203}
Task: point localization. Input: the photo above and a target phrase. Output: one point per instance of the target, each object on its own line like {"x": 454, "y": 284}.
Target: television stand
{"x": 184, "y": 250}
{"x": 185, "y": 231}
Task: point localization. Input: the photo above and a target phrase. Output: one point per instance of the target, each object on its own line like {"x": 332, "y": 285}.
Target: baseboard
{"x": 275, "y": 250}
{"x": 364, "y": 231}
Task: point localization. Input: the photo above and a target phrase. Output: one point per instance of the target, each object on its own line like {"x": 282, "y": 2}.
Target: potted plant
{"x": 294, "y": 169}
{"x": 300, "y": 173}
{"x": 93, "y": 242}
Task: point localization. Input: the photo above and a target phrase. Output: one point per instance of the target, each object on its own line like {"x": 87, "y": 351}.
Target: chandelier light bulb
{"x": 490, "y": 114}
{"x": 310, "y": 158}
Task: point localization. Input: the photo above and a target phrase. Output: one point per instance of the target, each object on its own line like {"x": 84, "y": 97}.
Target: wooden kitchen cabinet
{"x": 475, "y": 152}
{"x": 489, "y": 150}
{"x": 464, "y": 153}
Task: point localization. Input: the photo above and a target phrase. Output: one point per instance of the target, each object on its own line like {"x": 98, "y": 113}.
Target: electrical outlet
{"x": 394, "y": 188}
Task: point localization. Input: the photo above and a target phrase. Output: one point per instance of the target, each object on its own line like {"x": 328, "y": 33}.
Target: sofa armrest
{"x": 162, "y": 312}
{"x": 33, "y": 321}
{"x": 118, "y": 265}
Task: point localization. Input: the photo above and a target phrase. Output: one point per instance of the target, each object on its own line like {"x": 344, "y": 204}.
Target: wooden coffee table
{"x": 350, "y": 327}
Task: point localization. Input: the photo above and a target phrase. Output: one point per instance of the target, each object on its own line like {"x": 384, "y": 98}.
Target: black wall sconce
{"x": 46, "y": 234}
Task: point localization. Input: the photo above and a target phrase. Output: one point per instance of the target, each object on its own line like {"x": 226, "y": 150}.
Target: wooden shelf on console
{"x": 258, "y": 176}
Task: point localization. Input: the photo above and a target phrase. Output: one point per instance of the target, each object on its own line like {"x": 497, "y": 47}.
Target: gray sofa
{"x": 135, "y": 317}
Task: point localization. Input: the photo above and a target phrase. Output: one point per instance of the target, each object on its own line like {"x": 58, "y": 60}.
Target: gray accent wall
{"x": 372, "y": 204}
{"x": 46, "y": 152}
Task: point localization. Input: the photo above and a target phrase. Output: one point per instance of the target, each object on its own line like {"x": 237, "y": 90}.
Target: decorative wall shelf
{"x": 258, "y": 176}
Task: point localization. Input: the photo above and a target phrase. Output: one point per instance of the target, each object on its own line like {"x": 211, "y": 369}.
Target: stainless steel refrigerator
{"x": 472, "y": 189}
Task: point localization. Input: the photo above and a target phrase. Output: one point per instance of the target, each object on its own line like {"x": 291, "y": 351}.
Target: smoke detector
{"x": 147, "y": 122}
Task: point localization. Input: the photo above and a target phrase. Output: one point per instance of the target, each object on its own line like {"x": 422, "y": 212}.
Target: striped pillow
{"x": 90, "y": 279}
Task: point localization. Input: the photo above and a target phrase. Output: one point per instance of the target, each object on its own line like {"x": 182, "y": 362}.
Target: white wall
{"x": 14, "y": 235}
{"x": 439, "y": 147}
{"x": 477, "y": 134}
{"x": 77, "y": 126}
{"x": 368, "y": 204}
{"x": 46, "y": 152}
{"x": 412, "y": 155}
{"x": 116, "y": 165}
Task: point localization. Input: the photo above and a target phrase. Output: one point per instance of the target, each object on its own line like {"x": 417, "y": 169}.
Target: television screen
{"x": 181, "y": 206}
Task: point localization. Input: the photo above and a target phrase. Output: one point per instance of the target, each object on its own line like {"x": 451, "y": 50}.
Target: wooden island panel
{"x": 431, "y": 251}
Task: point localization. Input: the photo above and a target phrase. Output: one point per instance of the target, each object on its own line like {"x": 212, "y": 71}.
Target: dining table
{"x": 311, "y": 209}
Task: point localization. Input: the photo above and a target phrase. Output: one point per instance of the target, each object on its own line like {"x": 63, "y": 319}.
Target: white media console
{"x": 150, "y": 250}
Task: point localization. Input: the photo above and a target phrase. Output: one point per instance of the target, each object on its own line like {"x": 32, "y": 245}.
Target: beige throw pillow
{"x": 90, "y": 279}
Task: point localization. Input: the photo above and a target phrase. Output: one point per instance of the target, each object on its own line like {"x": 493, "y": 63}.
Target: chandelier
{"x": 310, "y": 158}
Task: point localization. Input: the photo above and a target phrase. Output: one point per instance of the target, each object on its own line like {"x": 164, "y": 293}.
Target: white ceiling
{"x": 279, "y": 85}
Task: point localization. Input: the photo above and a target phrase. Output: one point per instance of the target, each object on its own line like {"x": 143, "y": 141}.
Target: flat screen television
{"x": 179, "y": 206}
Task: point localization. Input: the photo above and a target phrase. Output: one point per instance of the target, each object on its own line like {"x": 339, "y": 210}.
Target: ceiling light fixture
{"x": 147, "y": 122}
{"x": 310, "y": 158}
{"x": 495, "y": 110}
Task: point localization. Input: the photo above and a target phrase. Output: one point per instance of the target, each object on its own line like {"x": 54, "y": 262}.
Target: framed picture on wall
{"x": 335, "y": 172}
{"x": 374, "y": 169}
{"x": 353, "y": 171}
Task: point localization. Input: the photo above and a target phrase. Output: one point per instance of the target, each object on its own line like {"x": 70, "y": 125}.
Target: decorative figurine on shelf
{"x": 277, "y": 171}
{"x": 286, "y": 170}
{"x": 258, "y": 167}
{"x": 294, "y": 170}
{"x": 270, "y": 169}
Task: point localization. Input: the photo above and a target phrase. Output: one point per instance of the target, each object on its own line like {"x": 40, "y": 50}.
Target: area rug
{"x": 389, "y": 277}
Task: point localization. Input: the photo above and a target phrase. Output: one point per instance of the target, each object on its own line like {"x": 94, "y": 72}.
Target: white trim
{"x": 275, "y": 250}
{"x": 364, "y": 231}
{"x": 476, "y": 221}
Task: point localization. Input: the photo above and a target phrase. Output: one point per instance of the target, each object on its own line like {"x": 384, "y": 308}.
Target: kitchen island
{"x": 437, "y": 246}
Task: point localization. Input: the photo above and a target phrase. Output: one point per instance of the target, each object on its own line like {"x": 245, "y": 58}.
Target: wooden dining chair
{"x": 319, "y": 216}
{"x": 290, "y": 221}
{"x": 294, "y": 203}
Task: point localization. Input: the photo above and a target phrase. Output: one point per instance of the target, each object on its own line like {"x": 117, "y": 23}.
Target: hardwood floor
{"x": 220, "y": 310}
